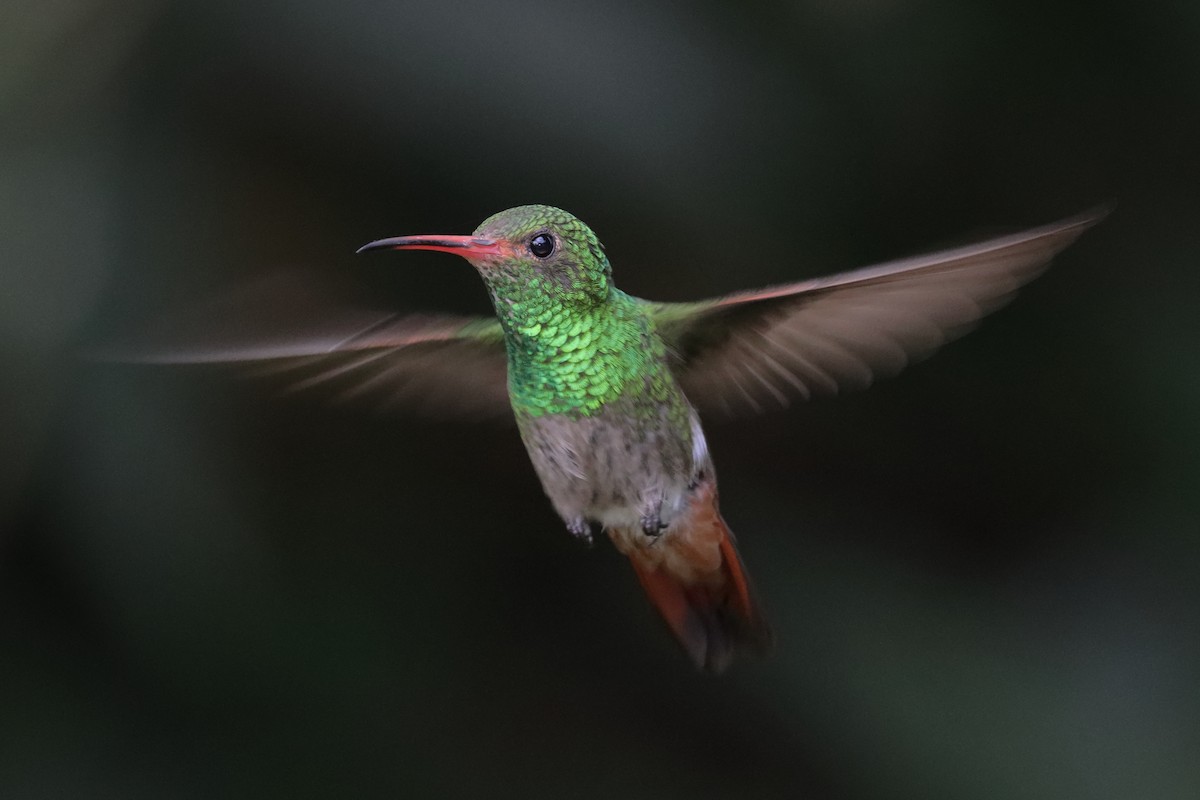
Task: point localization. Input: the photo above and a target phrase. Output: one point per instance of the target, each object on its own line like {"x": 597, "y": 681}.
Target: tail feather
{"x": 695, "y": 578}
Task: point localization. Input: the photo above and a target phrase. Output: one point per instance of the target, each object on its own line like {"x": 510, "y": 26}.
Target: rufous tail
{"x": 694, "y": 577}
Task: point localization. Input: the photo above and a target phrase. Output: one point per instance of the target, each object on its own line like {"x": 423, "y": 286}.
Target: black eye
{"x": 541, "y": 245}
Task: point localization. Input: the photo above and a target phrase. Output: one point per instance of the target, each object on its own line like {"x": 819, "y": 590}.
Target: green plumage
{"x": 573, "y": 361}
{"x": 575, "y": 343}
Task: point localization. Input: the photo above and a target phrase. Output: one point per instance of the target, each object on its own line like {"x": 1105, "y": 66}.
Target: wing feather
{"x": 845, "y": 331}
{"x": 290, "y": 328}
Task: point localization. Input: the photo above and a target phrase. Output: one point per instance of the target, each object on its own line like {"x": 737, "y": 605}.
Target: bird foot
{"x": 652, "y": 525}
{"x": 581, "y": 529}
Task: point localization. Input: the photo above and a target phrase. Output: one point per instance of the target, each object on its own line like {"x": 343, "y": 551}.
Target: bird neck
{"x": 576, "y": 359}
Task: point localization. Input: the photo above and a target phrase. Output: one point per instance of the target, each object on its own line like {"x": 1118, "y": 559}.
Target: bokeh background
{"x": 982, "y": 573}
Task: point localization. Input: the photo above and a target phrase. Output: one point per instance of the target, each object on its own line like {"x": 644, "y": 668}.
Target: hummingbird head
{"x": 531, "y": 258}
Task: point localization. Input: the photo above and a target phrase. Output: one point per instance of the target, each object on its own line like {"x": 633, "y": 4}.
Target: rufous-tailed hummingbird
{"x": 606, "y": 387}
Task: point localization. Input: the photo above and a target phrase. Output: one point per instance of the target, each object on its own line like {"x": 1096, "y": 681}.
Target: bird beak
{"x": 465, "y": 246}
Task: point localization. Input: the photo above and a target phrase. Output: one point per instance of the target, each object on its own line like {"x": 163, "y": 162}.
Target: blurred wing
{"x": 285, "y": 327}
{"x": 753, "y": 350}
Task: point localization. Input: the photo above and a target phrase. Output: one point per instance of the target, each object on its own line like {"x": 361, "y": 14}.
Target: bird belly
{"x": 609, "y": 470}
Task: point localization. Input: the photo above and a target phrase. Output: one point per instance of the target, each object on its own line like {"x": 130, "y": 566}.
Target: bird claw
{"x": 652, "y": 525}
{"x": 581, "y": 529}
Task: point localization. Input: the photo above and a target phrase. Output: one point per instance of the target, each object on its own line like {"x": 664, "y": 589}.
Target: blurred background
{"x": 982, "y": 573}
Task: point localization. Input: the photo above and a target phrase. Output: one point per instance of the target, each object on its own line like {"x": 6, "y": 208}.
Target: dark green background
{"x": 982, "y": 573}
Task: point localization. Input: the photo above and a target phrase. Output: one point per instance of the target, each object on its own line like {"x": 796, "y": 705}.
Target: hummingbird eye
{"x": 541, "y": 245}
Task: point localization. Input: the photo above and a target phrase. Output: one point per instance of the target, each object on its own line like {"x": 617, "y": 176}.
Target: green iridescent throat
{"x": 576, "y": 345}
{"x": 576, "y": 361}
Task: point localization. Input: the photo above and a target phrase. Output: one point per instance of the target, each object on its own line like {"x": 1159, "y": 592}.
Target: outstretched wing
{"x": 753, "y": 350}
{"x": 284, "y": 326}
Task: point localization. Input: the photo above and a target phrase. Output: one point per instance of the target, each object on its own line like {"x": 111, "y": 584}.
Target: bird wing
{"x": 758, "y": 349}
{"x": 285, "y": 327}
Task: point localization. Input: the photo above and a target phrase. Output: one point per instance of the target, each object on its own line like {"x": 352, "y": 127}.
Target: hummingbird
{"x": 607, "y": 388}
